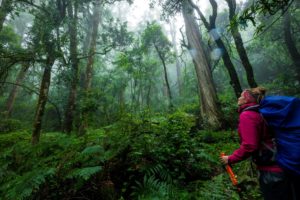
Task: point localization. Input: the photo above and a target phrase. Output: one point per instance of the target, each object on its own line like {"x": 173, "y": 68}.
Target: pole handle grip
{"x": 232, "y": 176}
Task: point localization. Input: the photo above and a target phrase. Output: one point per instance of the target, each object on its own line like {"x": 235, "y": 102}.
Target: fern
{"x": 151, "y": 188}
{"x": 92, "y": 150}
{"x": 161, "y": 172}
{"x": 84, "y": 173}
{"x": 218, "y": 188}
{"x": 23, "y": 186}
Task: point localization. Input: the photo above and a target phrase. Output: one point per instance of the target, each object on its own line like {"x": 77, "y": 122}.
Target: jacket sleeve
{"x": 249, "y": 130}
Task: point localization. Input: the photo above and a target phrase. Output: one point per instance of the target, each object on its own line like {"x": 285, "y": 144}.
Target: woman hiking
{"x": 255, "y": 142}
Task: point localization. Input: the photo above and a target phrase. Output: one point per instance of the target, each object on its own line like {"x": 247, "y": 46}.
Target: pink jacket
{"x": 251, "y": 129}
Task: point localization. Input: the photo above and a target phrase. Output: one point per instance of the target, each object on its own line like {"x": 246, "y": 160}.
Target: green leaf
{"x": 84, "y": 173}
{"x": 92, "y": 150}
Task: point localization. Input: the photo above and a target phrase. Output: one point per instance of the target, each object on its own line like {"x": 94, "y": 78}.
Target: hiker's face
{"x": 242, "y": 100}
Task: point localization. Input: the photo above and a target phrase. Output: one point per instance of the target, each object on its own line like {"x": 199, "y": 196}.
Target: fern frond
{"x": 160, "y": 171}
{"x": 152, "y": 188}
{"x": 84, "y": 173}
{"x": 23, "y": 186}
{"x": 92, "y": 149}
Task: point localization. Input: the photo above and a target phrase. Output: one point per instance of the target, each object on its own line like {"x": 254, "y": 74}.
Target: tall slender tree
{"x": 13, "y": 94}
{"x": 89, "y": 66}
{"x": 72, "y": 9}
{"x": 178, "y": 64}
{"x": 239, "y": 44}
{"x": 211, "y": 26}
{"x": 43, "y": 96}
{"x": 154, "y": 37}
{"x": 45, "y": 42}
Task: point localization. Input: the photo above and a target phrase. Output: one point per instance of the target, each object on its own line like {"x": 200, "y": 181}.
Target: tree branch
{"x": 213, "y": 17}
{"x": 29, "y": 2}
{"x": 105, "y": 51}
{"x": 183, "y": 43}
{"x": 206, "y": 24}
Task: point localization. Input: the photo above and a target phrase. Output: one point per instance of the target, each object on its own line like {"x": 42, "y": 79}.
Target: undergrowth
{"x": 157, "y": 157}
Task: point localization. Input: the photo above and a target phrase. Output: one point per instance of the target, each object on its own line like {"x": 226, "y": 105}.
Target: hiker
{"x": 253, "y": 131}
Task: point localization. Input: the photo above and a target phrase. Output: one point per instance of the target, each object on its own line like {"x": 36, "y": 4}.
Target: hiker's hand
{"x": 224, "y": 159}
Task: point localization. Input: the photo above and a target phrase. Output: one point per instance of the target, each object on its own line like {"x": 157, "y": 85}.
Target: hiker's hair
{"x": 258, "y": 93}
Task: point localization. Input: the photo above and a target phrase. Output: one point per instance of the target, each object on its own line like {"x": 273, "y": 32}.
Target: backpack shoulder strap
{"x": 252, "y": 108}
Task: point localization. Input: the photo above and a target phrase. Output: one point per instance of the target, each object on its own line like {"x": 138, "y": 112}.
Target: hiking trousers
{"x": 277, "y": 186}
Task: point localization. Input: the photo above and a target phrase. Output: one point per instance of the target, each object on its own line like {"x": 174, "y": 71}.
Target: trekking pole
{"x": 232, "y": 176}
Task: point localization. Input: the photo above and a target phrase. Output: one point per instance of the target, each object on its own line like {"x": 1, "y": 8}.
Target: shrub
{"x": 9, "y": 125}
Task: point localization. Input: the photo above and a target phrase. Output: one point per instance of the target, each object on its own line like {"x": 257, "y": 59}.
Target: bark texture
{"x": 90, "y": 62}
{"x": 207, "y": 94}
{"x": 211, "y": 26}
{"x": 13, "y": 94}
{"x": 43, "y": 97}
{"x": 69, "y": 115}
{"x": 162, "y": 59}
{"x": 178, "y": 65}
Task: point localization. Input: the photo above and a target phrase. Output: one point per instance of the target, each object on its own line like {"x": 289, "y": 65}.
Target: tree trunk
{"x": 89, "y": 66}
{"x": 13, "y": 94}
{"x": 288, "y": 38}
{"x": 178, "y": 65}
{"x": 122, "y": 99}
{"x": 69, "y": 115}
{"x": 207, "y": 93}
{"x": 211, "y": 25}
{"x": 240, "y": 46}
{"x": 6, "y": 7}
{"x": 87, "y": 41}
{"x": 148, "y": 98}
{"x": 165, "y": 76}
{"x": 43, "y": 97}
{"x": 234, "y": 80}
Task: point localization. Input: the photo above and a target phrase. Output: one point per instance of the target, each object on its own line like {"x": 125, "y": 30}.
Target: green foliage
{"x": 27, "y": 170}
{"x": 23, "y": 186}
{"x": 284, "y": 85}
{"x": 229, "y": 109}
{"x": 217, "y": 188}
{"x": 9, "y": 125}
{"x": 153, "y": 36}
{"x": 9, "y": 39}
{"x": 8, "y": 140}
{"x": 147, "y": 156}
{"x": 84, "y": 173}
{"x": 151, "y": 188}
{"x": 115, "y": 34}
{"x": 264, "y": 8}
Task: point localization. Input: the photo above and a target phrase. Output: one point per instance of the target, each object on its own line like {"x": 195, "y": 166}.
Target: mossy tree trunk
{"x": 72, "y": 24}
{"x": 90, "y": 62}
{"x": 43, "y": 97}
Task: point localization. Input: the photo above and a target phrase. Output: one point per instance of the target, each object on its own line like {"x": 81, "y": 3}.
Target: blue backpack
{"x": 282, "y": 114}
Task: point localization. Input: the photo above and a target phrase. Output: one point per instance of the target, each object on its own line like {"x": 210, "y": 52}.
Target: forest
{"x": 135, "y": 99}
